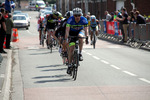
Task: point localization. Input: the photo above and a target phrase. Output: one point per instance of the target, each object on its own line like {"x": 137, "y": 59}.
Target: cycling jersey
{"x": 51, "y": 22}
{"x": 77, "y": 26}
{"x": 94, "y": 24}
{"x": 61, "y": 29}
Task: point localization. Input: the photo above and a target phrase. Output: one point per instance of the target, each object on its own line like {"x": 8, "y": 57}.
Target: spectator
{"x": 6, "y": 14}
{"x": 8, "y": 5}
{"x": 139, "y": 18}
{"x": 131, "y": 18}
{"x": 3, "y": 11}
{"x": 108, "y": 16}
{"x": 2, "y": 32}
{"x": 119, "y": 15}
{"x": 112, "y": 17}
{"x": 9, "y": 26}
{"x": 125, "y": 23}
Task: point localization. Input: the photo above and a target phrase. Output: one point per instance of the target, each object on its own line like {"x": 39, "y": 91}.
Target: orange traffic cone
{"x": 15, "y": 35}
{"x": 4, "y": 45}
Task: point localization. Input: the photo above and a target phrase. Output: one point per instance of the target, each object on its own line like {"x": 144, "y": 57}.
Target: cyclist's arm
{"x": 67, "y": 31}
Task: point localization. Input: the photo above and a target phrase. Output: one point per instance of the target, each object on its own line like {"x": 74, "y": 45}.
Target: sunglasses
{"x": 77, "y": 15}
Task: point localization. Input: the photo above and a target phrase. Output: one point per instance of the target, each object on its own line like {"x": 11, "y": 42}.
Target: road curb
{"x": 7, "y": 80}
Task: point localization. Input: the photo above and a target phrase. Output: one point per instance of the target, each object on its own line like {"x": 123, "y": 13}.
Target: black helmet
{"x": 55, "y": 13}
{"x": 69, "y": 14}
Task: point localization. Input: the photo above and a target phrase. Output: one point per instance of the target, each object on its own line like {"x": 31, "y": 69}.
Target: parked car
{"x": 16, "y": 12}
{"x": 48, "y": 8}
{"x": 20, "y": 21}
{"x": 27, "y": 16}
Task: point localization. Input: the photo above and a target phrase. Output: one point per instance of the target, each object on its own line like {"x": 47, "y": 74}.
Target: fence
{"x": 138, "y": 34}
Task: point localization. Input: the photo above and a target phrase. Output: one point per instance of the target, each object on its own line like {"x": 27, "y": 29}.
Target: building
{"x": 98, "y": 7}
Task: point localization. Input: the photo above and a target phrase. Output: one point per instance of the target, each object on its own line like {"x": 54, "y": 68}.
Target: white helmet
{"x": 77, "y": 11}
{"x": 93, "y": 17}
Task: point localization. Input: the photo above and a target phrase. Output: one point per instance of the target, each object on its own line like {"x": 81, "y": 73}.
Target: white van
{"x": 40, "y": 3}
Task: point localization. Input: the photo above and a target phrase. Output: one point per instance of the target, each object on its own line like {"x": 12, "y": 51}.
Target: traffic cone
{"x": 4, "y": 45}
{"x": 15, "y": 35}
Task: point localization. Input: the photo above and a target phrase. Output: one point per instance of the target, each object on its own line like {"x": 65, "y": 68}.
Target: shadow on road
{"x": 57, "y": 80}
{"x": 54, "y": 76}
{"x": 59, "y": 69}
{"x": 49, "y": 66}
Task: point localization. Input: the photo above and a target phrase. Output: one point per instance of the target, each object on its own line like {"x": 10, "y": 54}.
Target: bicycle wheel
{"x": 42, "y": 39}
{"x": 94, "y": 39}
{"x": 75, "y": 67}
{"x": 50, "y": 46}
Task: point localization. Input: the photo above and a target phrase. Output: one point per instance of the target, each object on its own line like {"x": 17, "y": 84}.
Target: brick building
{"x": 98, "y": 7}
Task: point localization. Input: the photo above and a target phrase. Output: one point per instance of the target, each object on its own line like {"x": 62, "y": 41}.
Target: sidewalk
{"x": 5, "y": 75}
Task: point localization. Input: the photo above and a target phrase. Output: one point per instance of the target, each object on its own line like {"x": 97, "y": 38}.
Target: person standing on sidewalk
{"x": 125, "y": 23}
{"x": 2, "y": 32}
{"x": 9, "y": 26}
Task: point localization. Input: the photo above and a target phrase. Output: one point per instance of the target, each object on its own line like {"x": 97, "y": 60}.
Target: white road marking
{"x": 31, "y": 48}
{"x": 104, "y": 61}
{"x": 83, "y": 51}
{"x": 96, "y": 57}
{"x": 29, "y": 32}
{"x": 129, "y": 73}
{"x": 144, "y": 80}
{"x": 89, "y": 54}
{"x": 115, "y": 67}
{"x": 2, "y": 75}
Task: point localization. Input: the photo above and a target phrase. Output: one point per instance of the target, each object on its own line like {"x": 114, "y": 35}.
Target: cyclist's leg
{"x": 91, "y": 31}
{"x": 81, "y": 34}
{"x": 97, "y": 31}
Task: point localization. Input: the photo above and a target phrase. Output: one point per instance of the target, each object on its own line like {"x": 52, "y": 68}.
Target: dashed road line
{"x": 144, "y": 80}
{"x": 129, "y": 73}
{"x": 104, "y": 61}
{"x": 96, "y": 57}
{"x": 115, "y": 67}
{"x": 89, "y": 54}
{"x": 83, "y": 51}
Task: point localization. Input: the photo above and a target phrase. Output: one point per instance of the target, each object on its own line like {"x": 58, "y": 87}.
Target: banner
{"x": 110, "y": 28}
{"x": 105, "y": 27}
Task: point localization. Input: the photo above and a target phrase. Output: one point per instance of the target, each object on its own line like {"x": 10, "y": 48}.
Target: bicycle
{"x": 51, "y": 40}
{"x": 75, "y": 61}
{"x": 94, "y": 37}
{"x": 42, "y": 37}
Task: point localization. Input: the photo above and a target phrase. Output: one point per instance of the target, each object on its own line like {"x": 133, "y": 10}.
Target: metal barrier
{"x": 137, "y": 34}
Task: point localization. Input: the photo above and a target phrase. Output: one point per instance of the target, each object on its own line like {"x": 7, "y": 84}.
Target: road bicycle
{"x": 94, "y": 37}
{"x": 75, "y": 60}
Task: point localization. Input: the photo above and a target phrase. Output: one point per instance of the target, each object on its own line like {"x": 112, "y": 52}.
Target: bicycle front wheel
{"x": 75, "y": 67}
{"x": 94, "y": 40}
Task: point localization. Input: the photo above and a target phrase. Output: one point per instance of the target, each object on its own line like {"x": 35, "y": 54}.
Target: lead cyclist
{"x": 74, "y": 27}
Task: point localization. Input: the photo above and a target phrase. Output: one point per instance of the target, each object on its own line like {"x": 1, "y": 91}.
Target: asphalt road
{"x": 109, "y": 72}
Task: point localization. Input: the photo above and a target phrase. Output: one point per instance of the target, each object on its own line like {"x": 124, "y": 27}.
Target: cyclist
{"x": 61, "y": 32}
{"x": 74, "y": 27}
{"x": 94, "y": 26}
{"x": 51, "y": 24}
{"x": 40, "y": 27}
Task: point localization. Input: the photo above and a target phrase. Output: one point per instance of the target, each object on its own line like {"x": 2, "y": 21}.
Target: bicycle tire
{"x": 75, "y": 67}
{"x": 94, "y": 39}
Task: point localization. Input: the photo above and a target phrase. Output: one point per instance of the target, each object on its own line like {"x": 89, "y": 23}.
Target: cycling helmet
{"x": 77, "y": 11}
{"x": 93, "y": 17}
{"x": 55, "y": 13}
{"x": 59, "y": 14}
{"x": 69, "y": 13}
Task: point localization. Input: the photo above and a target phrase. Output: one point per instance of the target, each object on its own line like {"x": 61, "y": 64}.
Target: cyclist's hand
{"x": 86, "y": 41}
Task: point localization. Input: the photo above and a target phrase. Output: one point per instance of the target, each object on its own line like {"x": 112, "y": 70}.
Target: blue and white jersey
{"x": 77, "y": 26}
{"x": 94, "y": 24}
